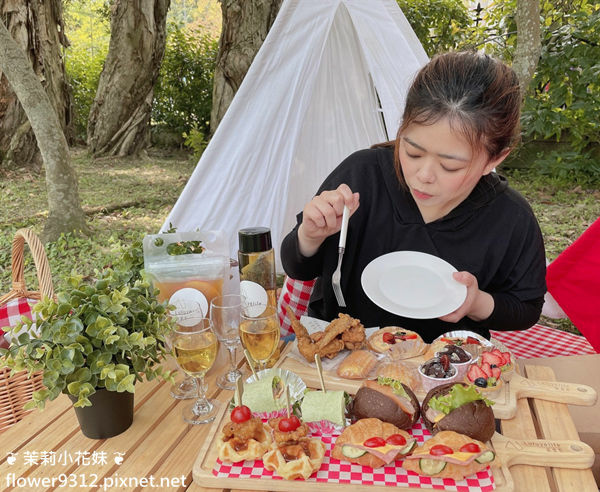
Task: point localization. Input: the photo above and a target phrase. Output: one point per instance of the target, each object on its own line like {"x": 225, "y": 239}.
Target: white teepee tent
{"x": 330, "y": 78}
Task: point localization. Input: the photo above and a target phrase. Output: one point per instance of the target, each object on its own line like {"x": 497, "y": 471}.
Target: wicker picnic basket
{"x": 16, "y": 390}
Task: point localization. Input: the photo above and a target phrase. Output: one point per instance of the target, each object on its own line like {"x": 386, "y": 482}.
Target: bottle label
{"x": 255, "y": 295}
{"x": 182, "y": 297}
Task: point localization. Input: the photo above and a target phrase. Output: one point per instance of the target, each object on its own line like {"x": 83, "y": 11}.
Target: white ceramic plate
{"x": 413, "y": 284}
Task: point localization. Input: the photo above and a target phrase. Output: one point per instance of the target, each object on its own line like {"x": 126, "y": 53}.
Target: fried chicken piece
{"x": 331, "y": 349}
{"x": 287, "y": 437}
{"x": 250, "y": 429}
{"x": 354, "y": 337}
{"x": 327, "y": 343}
{"x": 335, "y": 328}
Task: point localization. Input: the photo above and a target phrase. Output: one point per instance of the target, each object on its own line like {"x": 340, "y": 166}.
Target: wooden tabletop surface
{"x": 49, "y": 452}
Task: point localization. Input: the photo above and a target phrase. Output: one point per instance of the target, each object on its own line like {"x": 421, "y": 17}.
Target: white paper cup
{"x": 429, "y": 382}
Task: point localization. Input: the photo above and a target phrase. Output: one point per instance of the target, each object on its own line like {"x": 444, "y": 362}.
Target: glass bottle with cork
{"x": 258, "y": 282}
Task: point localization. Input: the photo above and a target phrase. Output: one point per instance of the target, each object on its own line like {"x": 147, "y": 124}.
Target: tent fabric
{"x": 329, "y": 79}
{"x": 573, "y": 279}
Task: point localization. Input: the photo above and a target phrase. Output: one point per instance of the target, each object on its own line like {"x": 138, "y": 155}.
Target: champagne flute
{"x": 185, "y": 310}
{"x": 196, "y": 347}
{"x": 259, "y": 332}
{"x": 225, "y": 312}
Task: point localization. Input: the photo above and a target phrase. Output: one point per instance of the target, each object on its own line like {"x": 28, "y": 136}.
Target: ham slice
{"x": 387, "y": 456}
{"x": 404, "y": 403}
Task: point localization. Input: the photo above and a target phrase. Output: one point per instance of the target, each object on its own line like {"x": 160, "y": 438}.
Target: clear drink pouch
{"x": 187, "y": 265}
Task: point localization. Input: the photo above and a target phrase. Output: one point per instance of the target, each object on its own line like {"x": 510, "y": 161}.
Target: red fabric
{"x": 542, "y": 341}
{"x": 295, "y": 294}
{"x": 11, "y": 312}
{"x": 574, "y": 281}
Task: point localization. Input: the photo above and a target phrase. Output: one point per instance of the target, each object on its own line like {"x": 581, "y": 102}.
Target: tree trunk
{"x": 37, "y": 27}
{"x": 529, "y": 43}
{"x": 65, "y": 212}
{"x": 119, "y": 121}
{"x": 246, "y": 24}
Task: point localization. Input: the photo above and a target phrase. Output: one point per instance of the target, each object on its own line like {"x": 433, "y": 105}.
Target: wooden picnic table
{"x": 49, "y": 452}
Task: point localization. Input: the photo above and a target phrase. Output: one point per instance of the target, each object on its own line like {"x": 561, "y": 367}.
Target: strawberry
{"x": 473, "y": 341}
{"x": 475, "y": 372}
{"x": 496, "y": 351}
{"x": 487, "y": 369}
{"x": 496, "y": 372}
{"x": 389, "y": 338}
{"x": 491, "y": 358}
{"x": 445, "y": 361}
{"x": 505, "y": 358}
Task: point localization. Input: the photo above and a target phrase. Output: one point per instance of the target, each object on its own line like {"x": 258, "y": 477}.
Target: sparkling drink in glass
{"x": 196, "y": 346}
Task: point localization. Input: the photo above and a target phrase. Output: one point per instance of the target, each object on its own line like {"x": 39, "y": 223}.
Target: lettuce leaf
{"x": 394, "y": 384}
{"x": 458, "y": 396}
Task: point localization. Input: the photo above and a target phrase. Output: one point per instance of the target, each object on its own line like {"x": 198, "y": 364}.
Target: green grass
{"x": 127, "y": 198}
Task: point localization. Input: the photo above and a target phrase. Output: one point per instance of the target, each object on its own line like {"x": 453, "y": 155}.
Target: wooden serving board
{"x": 561, "y": 453}
{"x": 505, "y": 401}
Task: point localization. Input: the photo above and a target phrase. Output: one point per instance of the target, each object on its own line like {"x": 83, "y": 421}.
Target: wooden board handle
{"x": 541, "y": 452}
{"x": 559, "y": 392}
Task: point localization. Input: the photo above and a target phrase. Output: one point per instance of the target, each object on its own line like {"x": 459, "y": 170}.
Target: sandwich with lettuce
{"x": 459, "y": 407}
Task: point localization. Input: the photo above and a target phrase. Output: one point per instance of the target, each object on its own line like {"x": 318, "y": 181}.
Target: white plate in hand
{"x": 413, "y": 284}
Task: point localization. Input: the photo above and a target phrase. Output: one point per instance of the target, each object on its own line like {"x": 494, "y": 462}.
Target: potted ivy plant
{"x": 93, "y": 343}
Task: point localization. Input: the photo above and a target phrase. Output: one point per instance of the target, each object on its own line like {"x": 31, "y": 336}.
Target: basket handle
{"x": 42, "y": 267}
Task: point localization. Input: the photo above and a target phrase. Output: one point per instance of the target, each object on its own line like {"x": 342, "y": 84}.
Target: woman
{"x": 433, "y": 190}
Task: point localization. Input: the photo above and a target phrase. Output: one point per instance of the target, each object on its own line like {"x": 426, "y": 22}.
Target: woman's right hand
{"x": 322, "y": 217}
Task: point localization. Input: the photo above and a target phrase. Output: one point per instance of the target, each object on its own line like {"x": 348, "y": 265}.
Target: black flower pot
{"x": 110, "y": 414}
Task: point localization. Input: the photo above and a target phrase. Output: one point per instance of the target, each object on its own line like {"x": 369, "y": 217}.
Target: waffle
{"x": 303, "y": 467}
{"x": 255, "y": 449}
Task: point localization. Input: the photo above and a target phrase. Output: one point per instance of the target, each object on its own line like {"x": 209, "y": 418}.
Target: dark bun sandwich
{"x": 388, "y": 400}
{"x": 459, "y": 407}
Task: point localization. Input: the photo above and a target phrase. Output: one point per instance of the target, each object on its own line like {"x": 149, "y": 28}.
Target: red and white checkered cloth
{"x": 11, "y": 312}
{"x": 335, "y": 471}
{"x": 542, "y": 341}
{"x": 537, "y": 341}
{"x": 296, "y": 294}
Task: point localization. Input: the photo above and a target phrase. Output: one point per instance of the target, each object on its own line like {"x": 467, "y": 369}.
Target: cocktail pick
{"x": 320, "y": 371}
{"x": 239, "y": 389}
{"x": 287, "y": 401}
{"x": 250, "y": 363}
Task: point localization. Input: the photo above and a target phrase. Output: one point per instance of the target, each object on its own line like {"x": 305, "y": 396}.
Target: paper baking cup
{"x": 485, "y": 343}
{"x": 324, "y": 427}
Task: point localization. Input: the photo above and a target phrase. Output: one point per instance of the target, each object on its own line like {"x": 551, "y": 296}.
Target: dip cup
{"x": 429, "y": 382}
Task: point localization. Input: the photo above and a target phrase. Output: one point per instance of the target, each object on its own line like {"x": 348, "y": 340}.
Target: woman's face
{"x": 440, "y": 167}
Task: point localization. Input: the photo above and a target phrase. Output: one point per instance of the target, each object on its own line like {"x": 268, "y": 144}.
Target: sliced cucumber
{"x": 352, "y": 452}
{"x": 431, "y": 467}
{"x": 486, "y": 457}
{"x": 408, "y": 448}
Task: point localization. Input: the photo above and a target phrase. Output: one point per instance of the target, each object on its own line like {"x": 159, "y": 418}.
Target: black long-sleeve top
{"x": 492, "y": 234}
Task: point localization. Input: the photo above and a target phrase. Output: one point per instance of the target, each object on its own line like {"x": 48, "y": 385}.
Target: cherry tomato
{"x": 241, "y": 414}
{"x": 389, "y": 338}
{"x": 396, "y": 439}
{"x": 374, "y": 442}
{"x": 470, "y": 447}
{"x": 440, "y": 449}
{"x": 289, "y": 424}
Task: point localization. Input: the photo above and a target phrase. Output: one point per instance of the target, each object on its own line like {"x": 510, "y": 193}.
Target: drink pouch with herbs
{"x": 187, "y": 265}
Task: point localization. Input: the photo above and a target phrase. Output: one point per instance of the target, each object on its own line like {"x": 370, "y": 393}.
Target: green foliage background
{"x": 563, "y": 101}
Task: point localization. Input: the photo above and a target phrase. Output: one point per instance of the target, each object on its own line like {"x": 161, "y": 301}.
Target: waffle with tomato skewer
{"x": 244, "y": 437}
{"x": 293, "y": 453}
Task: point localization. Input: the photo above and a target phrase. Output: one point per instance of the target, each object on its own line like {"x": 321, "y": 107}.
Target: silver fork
{"x": 337, "y": 274}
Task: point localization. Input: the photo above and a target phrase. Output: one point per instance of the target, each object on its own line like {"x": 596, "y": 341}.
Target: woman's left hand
{"x": 478, "y": 305}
